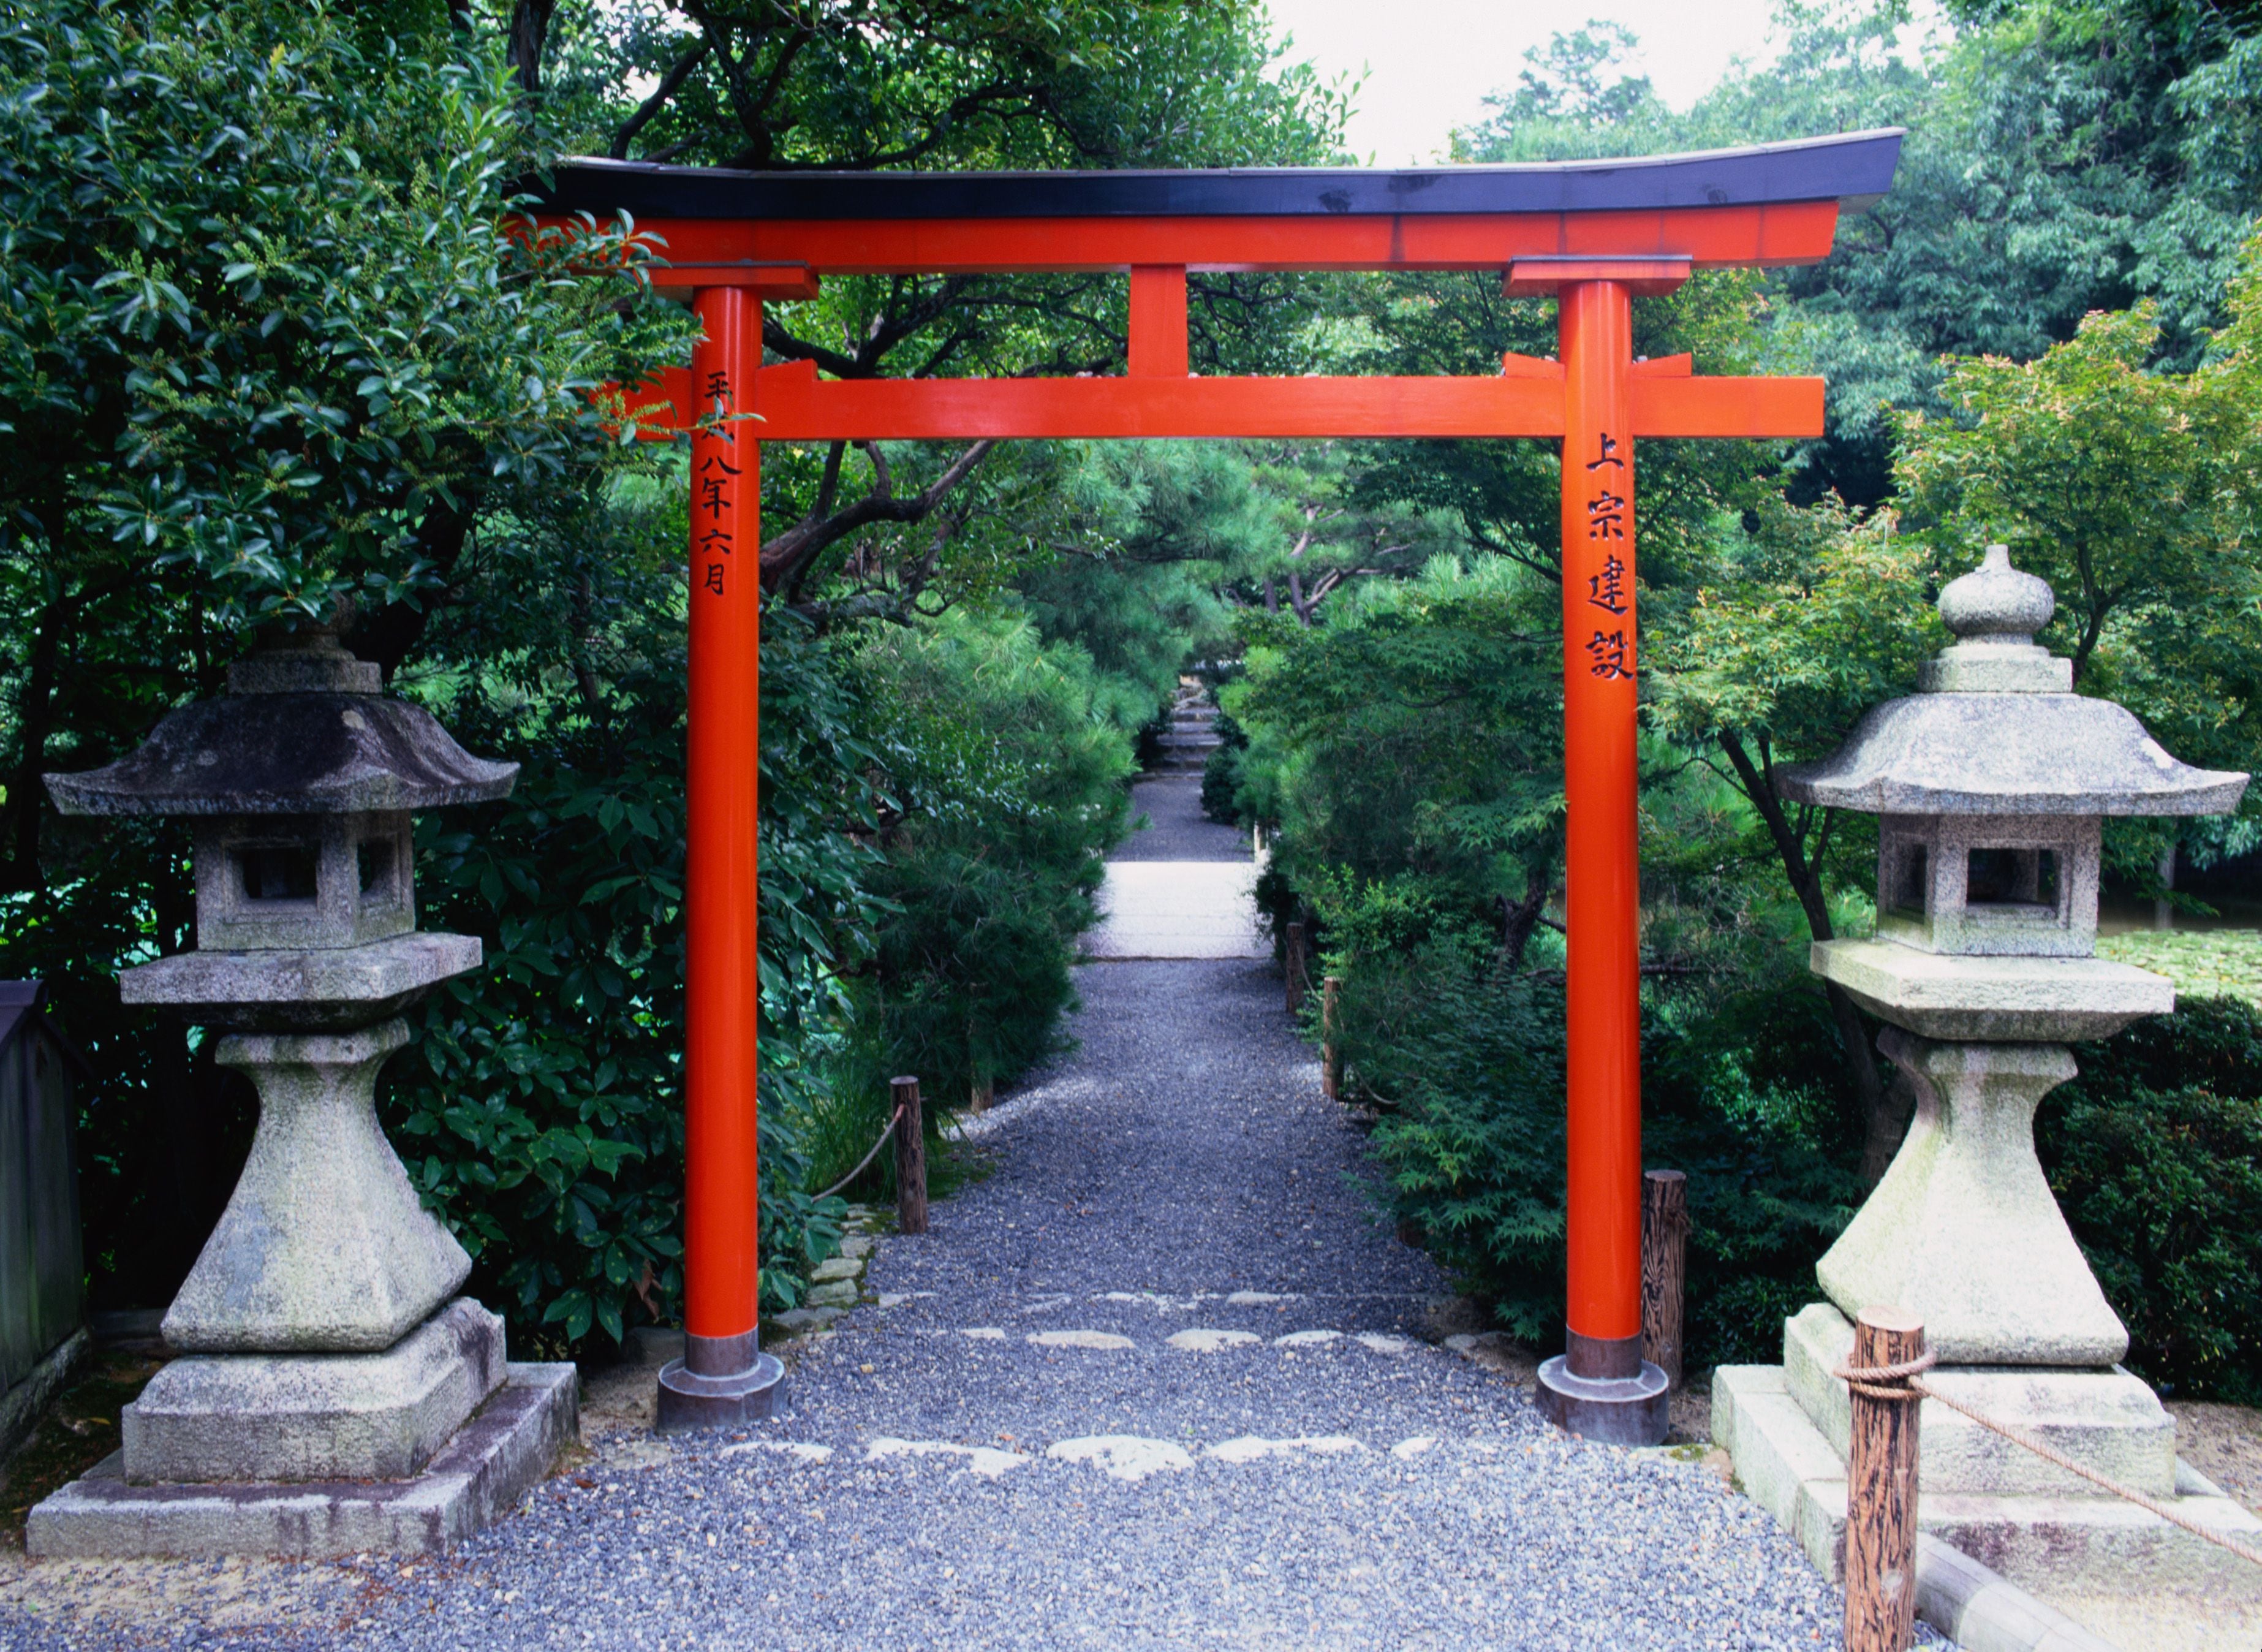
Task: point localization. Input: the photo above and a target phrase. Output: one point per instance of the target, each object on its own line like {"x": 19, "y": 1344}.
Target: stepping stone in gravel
{"x": 840, "y": 1292}
{"x": 1307, "y": 1339}
{"x": 1378, "y": 1342}
{"x": 986, "y": 1461}
{"x": 983, "y": 1333}
{"x": 1406, "y": 1450}
{"x": 1255, "y": 1299}
{"x": 1250, "y": 1448}
{"x": 1131, "y": 1457}
{"x": 795, "y": 1321}
{"x": 1105, "y": 1341}
{"x": 837, "y": 1267}
{"x": 1203, "y": 1341}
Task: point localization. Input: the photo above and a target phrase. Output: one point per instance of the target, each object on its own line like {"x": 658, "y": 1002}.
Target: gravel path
{"x": 1176, "y": 829}
{"x": 1159, "y": 1378}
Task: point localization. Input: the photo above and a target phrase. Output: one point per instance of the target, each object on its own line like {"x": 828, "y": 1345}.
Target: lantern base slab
{"x": 2102, "y": 1416}
{"x": 2117, "y": 1569}
{"x": 1998, "y": 1000}
{"x": 1628, "y": 1410}
{"x": 257, "y": 1416}
{"x": 477, "y": 1477}
{"x": 690, "y": 1400}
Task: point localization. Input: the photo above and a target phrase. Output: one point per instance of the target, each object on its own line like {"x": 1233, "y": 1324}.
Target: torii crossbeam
{"x": 1595, "y": 233}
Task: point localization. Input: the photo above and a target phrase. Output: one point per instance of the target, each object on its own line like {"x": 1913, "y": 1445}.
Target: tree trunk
{"x": 34, "y": 712}
{"x": 1882, "y": 1123}
{"x": 1519, "y": 919}
{"x": 530, "y": 34}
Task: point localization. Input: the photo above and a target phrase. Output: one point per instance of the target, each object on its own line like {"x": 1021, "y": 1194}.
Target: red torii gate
{"x": 1596, "y": 234}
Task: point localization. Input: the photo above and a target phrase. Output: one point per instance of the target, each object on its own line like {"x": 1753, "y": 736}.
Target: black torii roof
{"x": 1853, "y": 169}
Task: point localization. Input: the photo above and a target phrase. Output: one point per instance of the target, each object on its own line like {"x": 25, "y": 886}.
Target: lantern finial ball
{"x": 1995, "y": 602}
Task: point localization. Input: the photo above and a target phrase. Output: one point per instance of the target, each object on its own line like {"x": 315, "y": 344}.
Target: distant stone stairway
{"x": 1193, "y": 736}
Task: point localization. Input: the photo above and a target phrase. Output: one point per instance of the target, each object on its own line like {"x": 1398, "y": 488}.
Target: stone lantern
{"x": 334, "y": 1393}
{"x": 1992, "y": 784}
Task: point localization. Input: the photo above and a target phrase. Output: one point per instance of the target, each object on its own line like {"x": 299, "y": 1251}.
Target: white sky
{"x": 1431, "y": 62}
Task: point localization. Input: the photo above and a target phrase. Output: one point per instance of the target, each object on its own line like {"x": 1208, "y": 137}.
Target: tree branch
{"x": 670, "y": 84}
{"x": 787, "y": 558}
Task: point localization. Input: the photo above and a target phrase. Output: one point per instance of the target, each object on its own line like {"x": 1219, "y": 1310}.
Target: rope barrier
{"x": 864, "y": 1162}
{"x": 1867, "y": 1380}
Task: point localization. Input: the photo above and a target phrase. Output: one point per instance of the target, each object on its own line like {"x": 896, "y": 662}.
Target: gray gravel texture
{"x": 1176, "y": 829}
{"x": 1183, "y": 1155}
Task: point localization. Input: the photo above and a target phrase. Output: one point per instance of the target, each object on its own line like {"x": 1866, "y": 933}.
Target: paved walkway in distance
{"x": 1180, "y": 887}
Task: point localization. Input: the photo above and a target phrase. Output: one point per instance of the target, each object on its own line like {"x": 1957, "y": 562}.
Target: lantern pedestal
{"x": 2114, "y": 1568}
{"x": 472, "y": 1481}
{"x": 212, "y": 1417}
{"x": 324, "y": 1246}
{"x": 1963, "y": 1230}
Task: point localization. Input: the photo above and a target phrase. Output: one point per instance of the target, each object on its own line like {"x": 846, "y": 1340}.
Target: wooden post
{"x": 1292, "y": 966}
{"x": 1664, "y": 1268}
{"x": 982, "y": 1094}
{"x": 1330, "y": 1057}
{"x": 1881, "y": 1487}
{"x": 910, "y": 1158}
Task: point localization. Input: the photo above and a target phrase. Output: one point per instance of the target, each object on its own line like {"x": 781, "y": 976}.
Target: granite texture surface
{"x": 324, "y": 1247}
{"x": 1963, "y": 1230}
{"x": 263, "y": 1416}
{"x": 2012, "y": 1000}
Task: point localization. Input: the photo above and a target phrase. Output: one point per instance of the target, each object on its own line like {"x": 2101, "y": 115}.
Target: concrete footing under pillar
{"x": 473, "y": 1480}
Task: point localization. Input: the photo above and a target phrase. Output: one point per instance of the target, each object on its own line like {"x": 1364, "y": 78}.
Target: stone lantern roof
{"x": 302, "y": 729}
{"x": 1993, "y": 782}
{"x": 1996, "y": 730}
{"x": 301, "y": 780}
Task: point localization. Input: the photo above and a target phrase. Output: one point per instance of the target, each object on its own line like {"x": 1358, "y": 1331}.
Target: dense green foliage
{"x": 1466, "y": 1055}
{"x": 2155, "y": 1152}
{"x": 1008, "y": 793}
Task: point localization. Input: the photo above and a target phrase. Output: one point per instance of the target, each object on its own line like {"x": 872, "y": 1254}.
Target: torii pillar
{"x": 1600, "y": 1386}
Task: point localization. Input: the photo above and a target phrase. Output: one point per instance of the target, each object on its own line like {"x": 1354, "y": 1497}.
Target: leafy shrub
{"x": 1469, "y": 1061}
{"x": 2155, "y": 1153}
{"x": 1006, "y": 778}
{"x": 1417, "y": 729}
{"x": 1467, "y": 1058}
{"x": 1221, "y": 772}
{"x": 541, "y": 1112}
